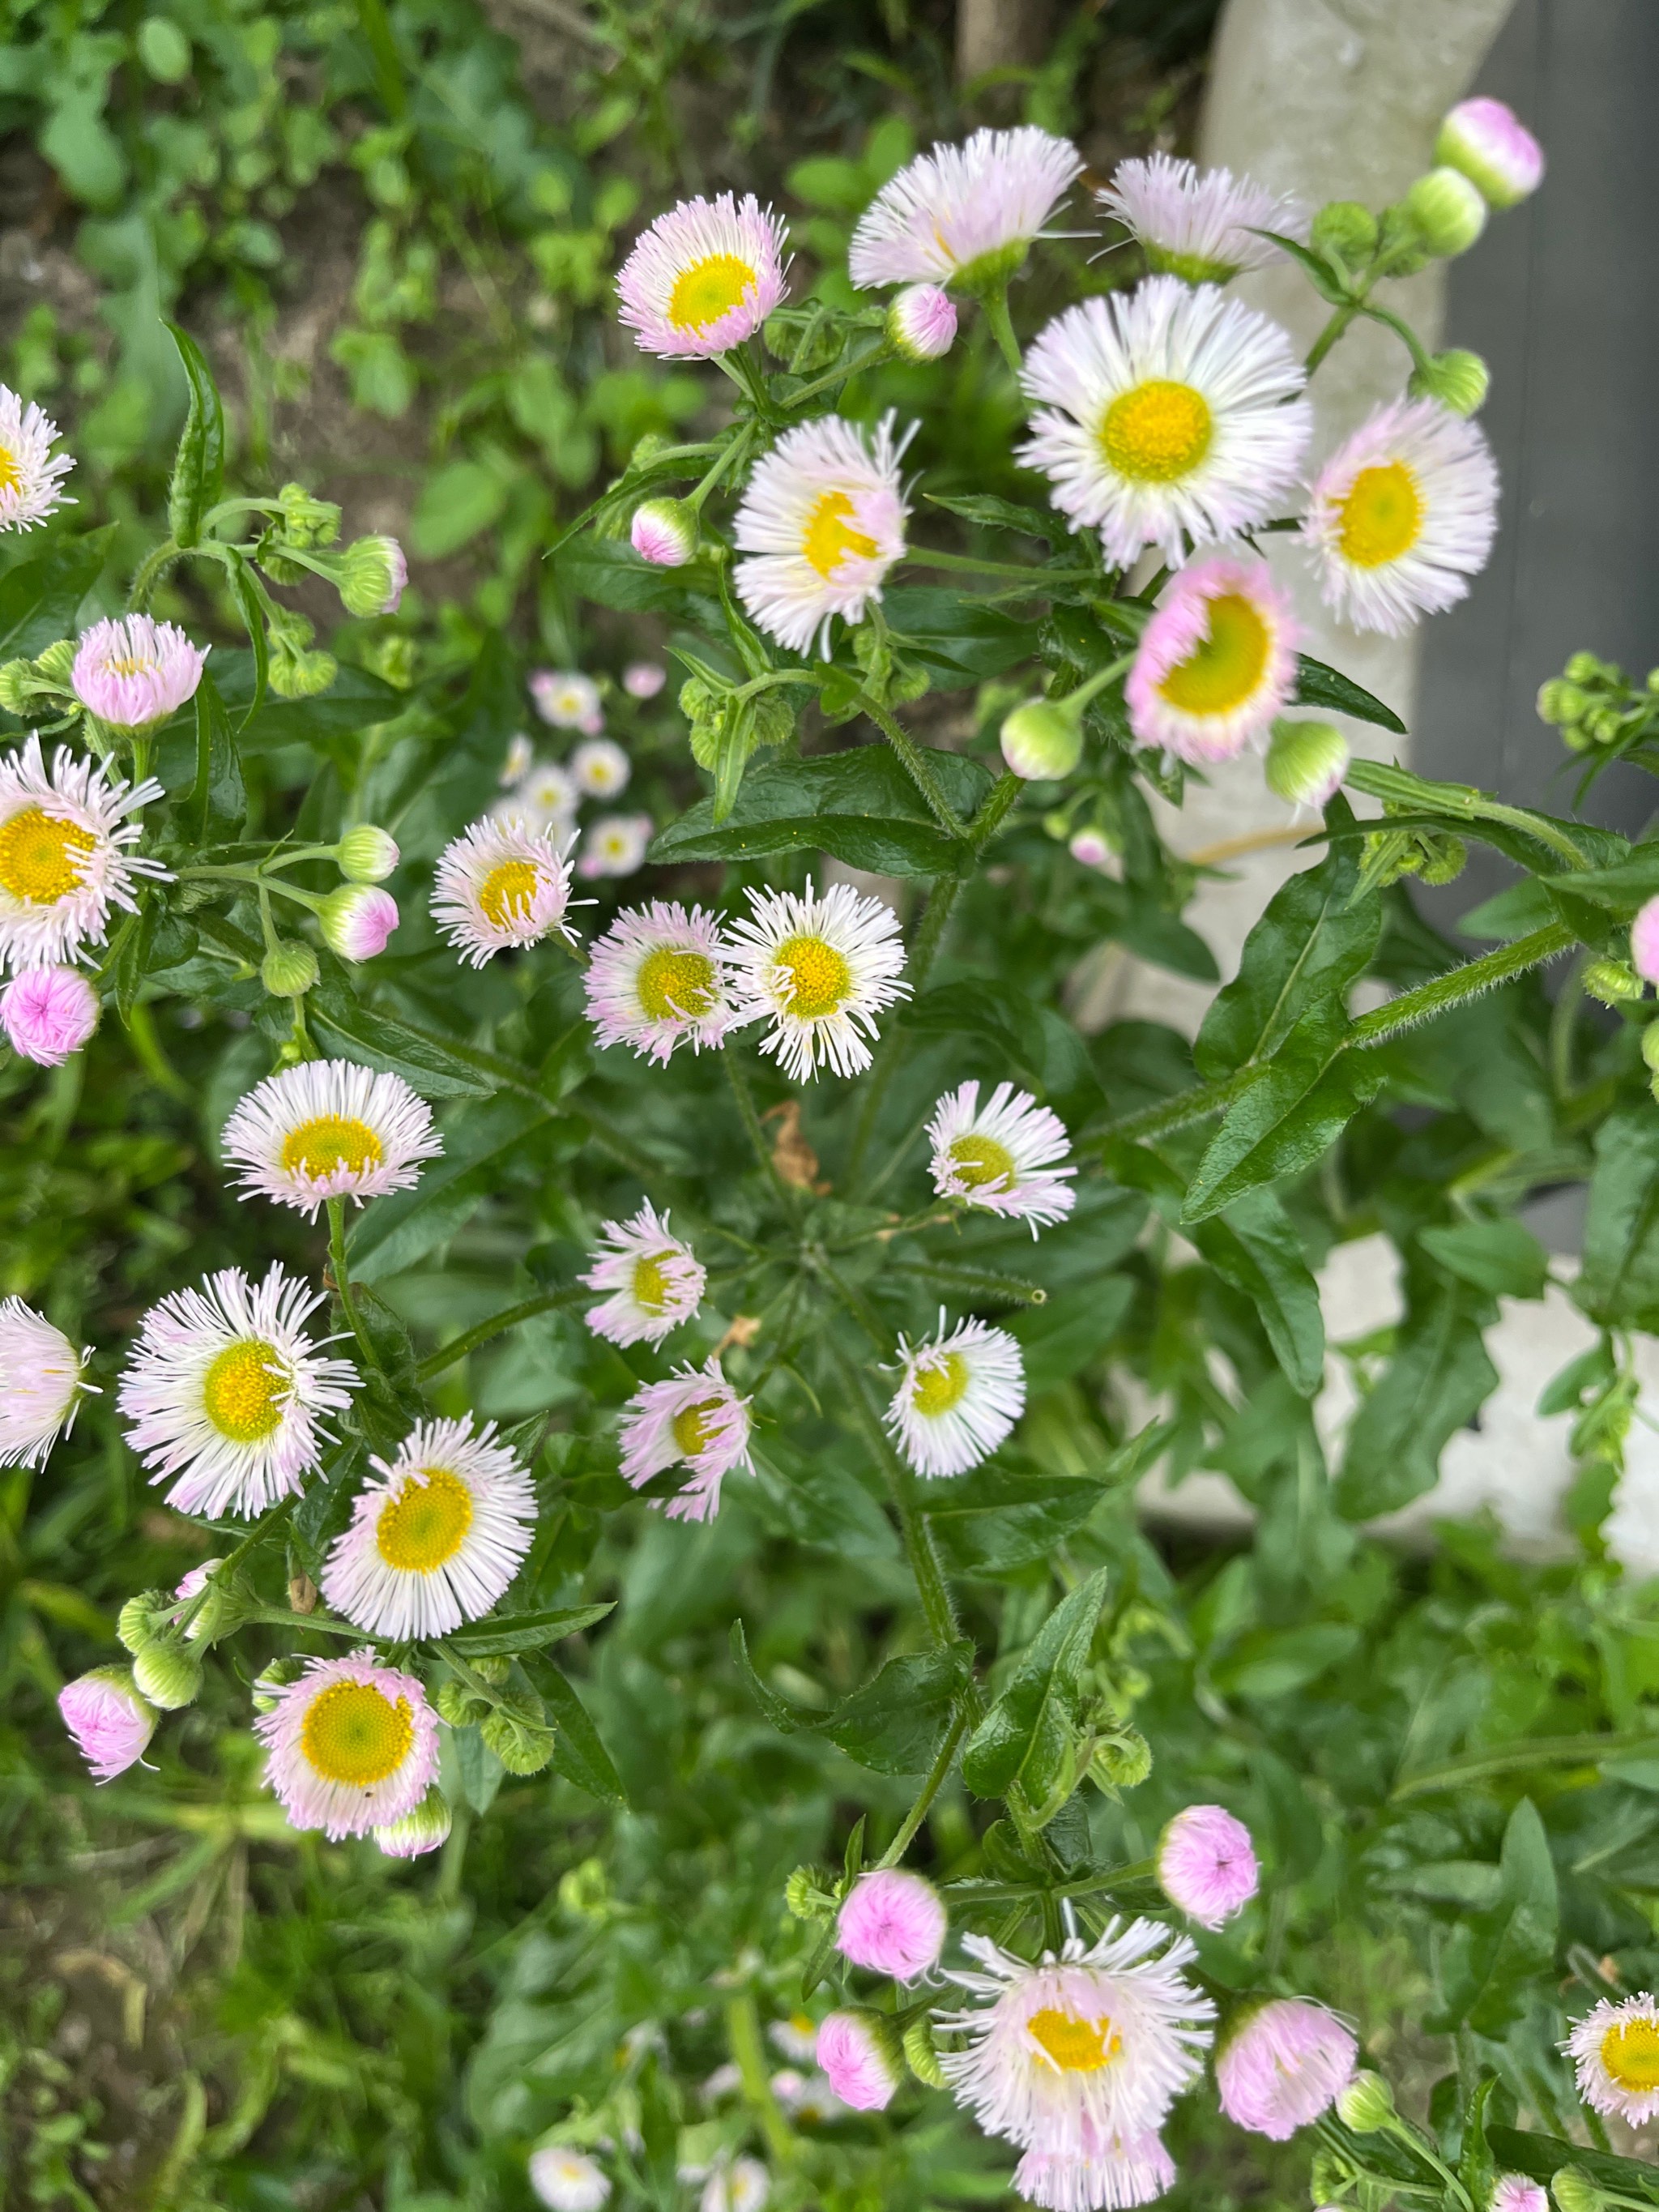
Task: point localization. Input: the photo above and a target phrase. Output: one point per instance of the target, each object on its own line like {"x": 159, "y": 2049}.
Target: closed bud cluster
{"x": 1448, "y": 211}
{"x": 1457, "y": 379}
{"x": 1040, "y": 740}
{"x": 458, "y": 1704}
{"x": 523, "y": 1746}
{"x": 1347, "y": 229}
{"x": 168, "y": 1673}
{"x": 287, "y": 971}
{"x": 305, "y": 520}
{"x": 24, "y": 685}
{"x": 1121, "y": 1760}
{"x": 366, "y": 854}
{"x": 585, "y": 1892}
{"x": 269, "y": 1686}
{"x": 1366, "y": 2104}
{"x": 1560, "y": 702}
{"x": 1574, "y": 2191}
{"x": 296, "y": 670}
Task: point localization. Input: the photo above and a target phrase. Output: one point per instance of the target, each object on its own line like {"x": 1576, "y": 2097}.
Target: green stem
{"x": 151, "y": 570}
{"x": 937, "y": 1610}
{"x": 275, "y": 1520}
{"x": 788, "y": 1198}
{"x": 337, "y": 1254}
{"x": 737, "y": 449}
{"x": 924, "y": 557}
{"x": 1381, "y": 780}
{"x": 497, "y": 1325}
{"x": 930, "y": 1789}
{"x": 1004, "y": 791}
{"x": 749, "y": 2055}
{"x": 840, "y": 375}
{"x": 1514, "y": 1758}
{"x": 1328, "y": 336}
{"x": 940, "y": 899}
{"x": 995, "y": 304}
{"x": 917, "y": 766}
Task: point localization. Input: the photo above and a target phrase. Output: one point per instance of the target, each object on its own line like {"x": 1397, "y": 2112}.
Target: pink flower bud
{"x": 132, "y": 672}
{"x": 1283, "y": 2064}
{"x": 1091, "y": 849}
{"x": 643, "y": 679}
{"x": 1518, "y": 2192}
{"x": 48, "y": 1013}
{"x": 1206, "y": 1864}
{"x": 663, "y": 532}
{"x": 854, "y": 2051}
{"x": 356, "y": 921}
{"x": 922, "y": 322}
{"x": 1491, "y": 146}
{"x": 110, "y": 1722}
{"x": 1643, "y": 943}
{"x": 892, "y": 1922}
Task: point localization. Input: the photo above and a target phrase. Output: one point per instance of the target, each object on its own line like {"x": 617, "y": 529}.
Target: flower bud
{"x": 585, "y": 1891}
{"x": 297, "y": 674}
{"x": 805, "y": 1897}
{"x": 1448, "y": 211}
{"x": 1457, "y": 379}
{"x": 1444, "y": 860}
{"x": 1306, "y": 761}
{"x": 366, "y": 854}
{"x": 49, "y": 1014}
{"x": 1574, "y": 2191}
{"x": 493, "y": 1668}
{"x": 1590, "y": 668}
{"x": 1041, "y": 739}
{"x": 168, "y": 1674}
{"x": 277, "y": 1675}
{"x": 522, "y": 1747}
{"x": 664, "y": 532}
{"x": 1611, "y": 981}
{"x": 141, "y": 1619}
{"x": 922, "y": 322}
{"x": 1345, "y": 228}
{"x": 423, "y": 1829}
{"x": 110, "y": 1722}
{"x": 1090, "y": 848}
{"x": 645, "y": 450}
{"x": 371, "y": 576}
{"x": 287, "y": 971}
{"x": 356, "y": 921}
{"x": 456, "y": 1704}
{"x": 918, "y": 2053}
{"x": 21, "y": 689}
{"x": 892, "y": 1922}
{"x": 1644, "y": 942}
{"x": 1650, "y": 1046}
{"x": 859, "y": 2057}
{"x": 1366, "y": 2104}
{"x": 1560, "y": 702}
{"x": 1485, "y": 140}
{"x": 308, "y": 521}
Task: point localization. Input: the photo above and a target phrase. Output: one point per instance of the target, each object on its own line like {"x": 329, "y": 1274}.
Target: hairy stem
{"x": 937, "y": 1777}
{"x": 917, "y": 766}
{"x": 337, "y": 1256}
{"x": 481, "y": 1333}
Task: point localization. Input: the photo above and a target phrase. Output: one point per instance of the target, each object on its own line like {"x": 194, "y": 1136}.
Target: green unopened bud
{"x": 1345, "y": 228}
{"x": 141, "y": 1618}
{"x": 1041, "y": 740}
{"x": 1366, "y": 2104}
{"x": 521, "y": 1746}
{"x": 1444, "y": 860}
{"x": 585, "y": 1892}
{"x": 1649, "y": 1053}
{"x": 1449, "y": 209}
{"x": 1121, "y": 1760}
{"x": 168, "y": 1673}
{"x": 1306, "y": 761}
{"x": 287, "y": 971}
{"x": 269, "y": 1686}
{"x": 494, "y": 1669}
{"x": 1574, "y": 2191}
{"x": 458, "y": 1704}
{"x": 357, "y": 920}
{"x": 423, "y": 1829}
{"x": 1327, "y": 2176}
{"x": 1589, "y": 668}
{"x": 646, "y": 450}
{"x": 1457, "y": 379}
{"x": 26, "y": 685}
{"x": 371, "y": 576}
{"x": 920, "y": 2054}
{"x": 302, "y": 674}
{"x": 806, "y": 1896}
{"x": 305, "y": 520}
{"x": 1559, "y": 702}
{"x": 664, "y": 532}
{"x": 366, "y": 854}
{"x": 1612, "y": 982}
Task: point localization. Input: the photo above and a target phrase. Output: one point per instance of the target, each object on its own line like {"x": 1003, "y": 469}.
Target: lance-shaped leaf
{"x": 1439, "y": 1377}
{"x": 198, "y": 465}
{"x": 503, "y": 1634}
{"x": 578, "y": 1753}
{"x": 1319, "y": 686}
{"x": 1028, "y": 1734}
{"x": 1493, "y": 1959}
{"x": 1619, "y": 1285}
{"x": 1288, "y": 1119}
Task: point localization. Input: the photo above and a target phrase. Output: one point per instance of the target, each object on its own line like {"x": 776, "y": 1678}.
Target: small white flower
{"x": 40, "y": 1384}
{"x": 797, "y": 2038}
{"x": 31, "y": 476}
{"x": 1402, "y": 515}
{"x": 1615, "y": 2050}
{"x": 1169, "y": 411}
{"x": 600, "y": 767}
{"x": 516, "y": 760}
{"x": 500, "y": 885}
{"x": 703, "y": 277}
{"x": 437, "y": 1540}
{"x": 820, "y": 970}
{"x": 63, "y": 856}
{"x": 653, "y": 1281}
{"x": 328, "y": 1129}
{"x": 565, "y": 697}
{"x": 1005, "y": 1158}
{"x": 742, "y": 2186}
{"x": 616, "y": 845}
{"x": 567, "y": 2180}
{"x": 1198, "y": 224}
{"x": 694, "y": 1418}
{"x": 958, "y": 1397}
{"x": 654, "y": 979}
{"x": 964, "y": 215}
{"x": 225, "y": 1392}
{"x": 823, "y": 520}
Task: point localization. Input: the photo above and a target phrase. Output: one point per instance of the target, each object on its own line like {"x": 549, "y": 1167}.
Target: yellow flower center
{"x": 39, "y": 856}
{"x": 508, "y": 892}
{"x": 425, "y": 1523}
{"x": 1156, "y": 431}
{"x": 651, "y": 1282}
{"x": 353, "y": 1733}
{"x": 328, "y": 1141}
{"x": 828, "y": 536}
{"x": 819, "y": 978}
{"x": 940, "y": 1386}
{"x": 671, "y": 983}
{"x": 1225, "y": 668}
{"x": 1382, "y": 516}
{"x": 694, "y": 1429}
{"x": 981, "y": 1162}
{"x": 245, "y": 1389}
{"x": 709, "y": 288}
{"x": 1072, "y": 2046}
{"x": 129, "y": 665}
{"x": 1630, "y": 2051}
{"x": 11, "y": 476}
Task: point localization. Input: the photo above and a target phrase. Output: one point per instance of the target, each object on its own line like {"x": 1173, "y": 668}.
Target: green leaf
{"x": 456, "y": 503}
{"x": 1059, "y": 1339}
{"x": 958, "y": 635}
{"x": 1029, "y": 1734}
{"x": 382, "y": 1041}
{"x": 1320, "y": 686}
{"x": 1499, "y": 1257}
{"x": 1492, "y": 1959}
{"x": 1254, "y": 1247}
{"x": 1271, "y": 1662}
{"x": 199, "y": 465}
{"x": 995, "y": 1520}
{"x": 353, "y": 703}
{"x": 523, "y": 1632}
{"x": 1288, "y": 1119}
{"x": 1439, "y": 1377}
{"x": 403, "y": 1227}
{"x": 1625, "y": 886}
{"x": 1619, "y": 1286}
{"x": 218, "y": 798}
{"x": 40, "y": 599}
{"x": 1543, "y": 2156}
{"x": 1003, "y": 514}
{"x": 578, "y": 1753}
{"x": 482, "y": 1772}
{"x": 892, "y": 1725}
{"x": 608, "y": 571}
{"x": 1525, "y": 906}
{"x": 250, "y": 605}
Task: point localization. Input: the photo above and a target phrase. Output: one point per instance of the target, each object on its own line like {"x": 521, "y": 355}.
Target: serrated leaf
{"x": 1288, "y": 1119}
{"x": 1492, "y": 1959}
{"x": 40, "y": 599}
{"x": 1317, "y": 685}
{"x": 995, "y": 1520}
{"x": 1439, "y": 1377}
{"x": 524, "y": 1631}
{"x": 199, "y": 465}
{"x": 892, "y": 1725}
{"x": 1029, "y": 1733}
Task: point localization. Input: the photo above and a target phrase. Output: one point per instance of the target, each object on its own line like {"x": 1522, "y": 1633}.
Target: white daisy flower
{"x": 742, "y": 2186}
{"x": 437, "y": 1540}
{"x": 822, "y": 517}
{"x": 567, "y": 2180}
{"x": 1402, "y": 515}
{"x": 964, "y": 215}
{"x": 1614, "y": 2048}
{"x": 654, "y": 980}
{"x": 1198, "y": 224}
{"x": 703, "y": 277}
{"x": 516, "y": 760}
{"x": 1169, "y": 411}
{"x": 329, "y": 1129}
{"x": 31, "y": 476}
{"x": 1080, "y": 2051}
{"x": 693, "y": 1418}
{"x": 1119, "y": 2172}
{"x": 616, "y": 845}
{"x": 1215, "y": 664}
{"x": 351, "y": 1746}
{"x": 797, "y": 2038}
{"x": 566, "y": 698}
{"x": 544, "y": 801}
{"x": 225, "y": 1392}
{"x": 599, "y": 767}
{"x": 1005, "y": 1158}
{"x": 63, "y": 856}
{"x": 654, "y": 1281}
{"x": 958, "y": 1397}
{"x": 40, "y": 1384}
{"x": 497, "y": 886}
{"x": 819, "y": 969}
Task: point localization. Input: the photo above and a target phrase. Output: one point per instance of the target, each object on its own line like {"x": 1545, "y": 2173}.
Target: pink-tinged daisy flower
{"x": 1119, "y": 2171}
{"x": 1216, "y": 663}
{"x": 437, "y": 1540}
{"x": 600, "y": 768}
{"x": 1282, "y": 2064}
{"x": 225, "y": 1392}
{"x": 922, "y": 322}
{"x": 1079, "y": 2051}
{"x": 823, "y": 519}
{"x": 564, "y": 698}
{"x": 48, "y": 1013}
{"x": 696, "y": 1419}
{"x": 654, "y": 980}
{"x": 1402, "y": 515}
{"x": 543, "y": 802}
{"x": 892, "y": 1922}
{"x": 1004, "y": 1159}
{"x": 616, "y": 845}
{"x": 40, "y": 1384}
{"x": 653, "y": 1281}
{"x": 329, "y": 1129}
{"x": 1643, "y": 942}
{"x": 1198, "y": 224}
{"x": 958, "y": 1397}
{"x": 644, "y": 679}
{"x": 703, "y": 277}
{"x": 501, "y": 883}
{"x": 132, "y": 672}
{"x": 665, "y": 531}
{"x": 1493, "y": 148}
{"x": 63, "y": 856}
{"x": 31, "y": 476}
{"x": 964, "y": 215}
{"x": 1615, "y": 2054}
{"x": 855, "y": 2050}
{"x": 110, "y": 1720}
{"x": 351, "y": 1746}
{"x": 1169, "y": 411}
{"x": 1518, "y": 2192}
{"x": 357, "y": 920}
{"x": 1206, "y": 1864}
{"x": 567, "y": 2180}
{"x": 426, "y": 1829}
{"x": 820, "y": 970}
